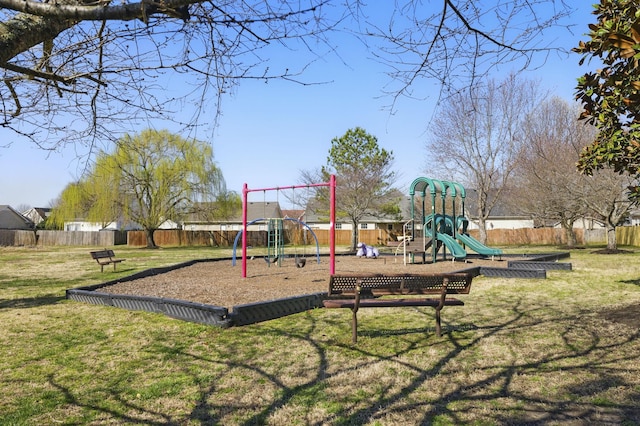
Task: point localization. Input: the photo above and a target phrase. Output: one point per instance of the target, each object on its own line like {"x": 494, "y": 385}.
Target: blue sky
{"x": 269, "y": 132}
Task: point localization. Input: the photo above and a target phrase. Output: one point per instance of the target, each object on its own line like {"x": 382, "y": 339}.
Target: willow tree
{"x": 150, "y": 178}
{"x": 87, "y": 199}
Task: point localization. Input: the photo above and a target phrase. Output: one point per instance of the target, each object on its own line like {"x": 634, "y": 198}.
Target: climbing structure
{"x": 448, "y": 231}
{"x": 275, "y": 241}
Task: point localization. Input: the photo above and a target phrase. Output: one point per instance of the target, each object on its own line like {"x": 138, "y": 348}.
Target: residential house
{"x": 255, "y": 210}
{"x": 385, "y": 227}
{"x": 505, "y": 215}
{"x": 83, "y": 225}
{"x": 11, "y": 219}
{"x": 296, "y": 214}
{"x": 37, "y": 215}
{"x": 502, "y": 215}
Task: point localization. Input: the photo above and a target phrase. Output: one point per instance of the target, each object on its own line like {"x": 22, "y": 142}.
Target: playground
{"x": 272, "y": 276}
{"x": 269, "y": 282}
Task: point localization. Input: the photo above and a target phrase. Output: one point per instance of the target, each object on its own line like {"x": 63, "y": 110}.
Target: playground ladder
{"x": 275, "y": 241}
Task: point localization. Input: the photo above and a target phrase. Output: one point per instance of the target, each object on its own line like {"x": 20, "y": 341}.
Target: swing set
{"x": 276, "y": 247}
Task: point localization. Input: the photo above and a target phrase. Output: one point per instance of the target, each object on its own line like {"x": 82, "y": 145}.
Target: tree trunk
{"x": 150, "y": 241}
{"x": 569, "y": 232}
{"x": 354, "y": 235}
{"x": 572, "y": 239}
{"x": 482, "y": 229}
{"x": 612, "y": 244}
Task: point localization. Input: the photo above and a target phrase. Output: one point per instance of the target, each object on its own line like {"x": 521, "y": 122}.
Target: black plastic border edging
{"x": 179, "y": 309}
{"x": 512, "y": 273}
{"x": 174, "y": 308}
{"x": 263, "y": 311}
{"x": 535, "y": 267}
{"x": 548, "y": 257}
{"x": 526, "y": 264}
{"x": 192, "y": 311}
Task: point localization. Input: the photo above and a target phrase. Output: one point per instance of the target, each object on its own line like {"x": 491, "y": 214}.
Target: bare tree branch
{"x": 108, "y": 62}
{"x": 73, "y": 70}
{"x": 462, "y": 41}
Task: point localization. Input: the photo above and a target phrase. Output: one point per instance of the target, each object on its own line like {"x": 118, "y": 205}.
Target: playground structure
{"x": 275, "y": 240}
{"x": 441, "y": 231}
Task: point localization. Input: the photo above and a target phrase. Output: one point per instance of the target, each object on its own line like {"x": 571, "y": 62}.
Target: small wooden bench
{"x": 105, "y": 257}
{"x": 364, "y": 291}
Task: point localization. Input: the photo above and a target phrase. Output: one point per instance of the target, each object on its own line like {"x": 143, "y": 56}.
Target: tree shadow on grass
{"x": 497, "y": 385}
{"x": 456, "y": 402}
{"x": 30, "y": 302}
{"x": 492, "y": 391}
{"x": 634, "y": 282}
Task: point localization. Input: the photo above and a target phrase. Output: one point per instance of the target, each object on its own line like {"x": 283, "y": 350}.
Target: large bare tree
{"x": 607, "y": 197}
{"x": 86, "y": 70}
{"x": 476, "y": 137}
{"x": 548, "y": 186}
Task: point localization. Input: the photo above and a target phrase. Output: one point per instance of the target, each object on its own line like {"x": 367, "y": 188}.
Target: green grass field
{"x": 521, "y": 351}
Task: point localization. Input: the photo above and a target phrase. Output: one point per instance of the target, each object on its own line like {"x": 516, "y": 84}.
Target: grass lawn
{"x": 521, "y": 351}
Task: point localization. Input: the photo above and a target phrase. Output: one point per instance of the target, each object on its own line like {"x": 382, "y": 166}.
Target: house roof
{"x": 297, "y": 214}
{"x": 321, "y": 214}
{"x": 11, "y": 219}
{"x": 263, "y": 210}
{"x": 37, "y": 214}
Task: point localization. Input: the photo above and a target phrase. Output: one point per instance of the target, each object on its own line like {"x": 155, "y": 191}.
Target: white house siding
{"x": 223, "y": 227}
{"x": 506, "y": 223}
{"x": 94, "y": 226}
{"x": 325, "y": 226}
{"x": 88, "y": 226}
{"x": 584, "y": 223}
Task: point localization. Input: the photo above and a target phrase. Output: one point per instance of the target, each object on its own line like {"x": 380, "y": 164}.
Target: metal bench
{"x": 105, "y": 257}
{"x": 365, "y": 290}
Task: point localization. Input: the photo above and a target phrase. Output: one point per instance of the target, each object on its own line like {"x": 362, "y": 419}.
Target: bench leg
{"x": 354, "y": 326}
{"x": 101, "y": 267}
{"x": 114, "y": 266}
{"x": 438, "y": 327}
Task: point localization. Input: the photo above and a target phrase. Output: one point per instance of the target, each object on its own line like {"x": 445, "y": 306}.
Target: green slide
{"x": 477, "y": 246}
{"x": 455, "y": 249}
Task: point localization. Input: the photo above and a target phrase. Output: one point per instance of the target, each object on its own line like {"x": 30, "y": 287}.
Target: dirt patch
{"x": 612, "y": 251}
{"x": 221, "y": 284}
{"x": 628, "y": 315}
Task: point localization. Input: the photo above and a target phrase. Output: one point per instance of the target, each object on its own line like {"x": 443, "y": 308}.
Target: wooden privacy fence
{"x": 528, "y": 236}
{"x": 9, "y": 237}
{"x": 626, "y": 236}
{"x": 175, "y": 237}
{"x": 62, "y": 238}
{"x": 496, "y": 237}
